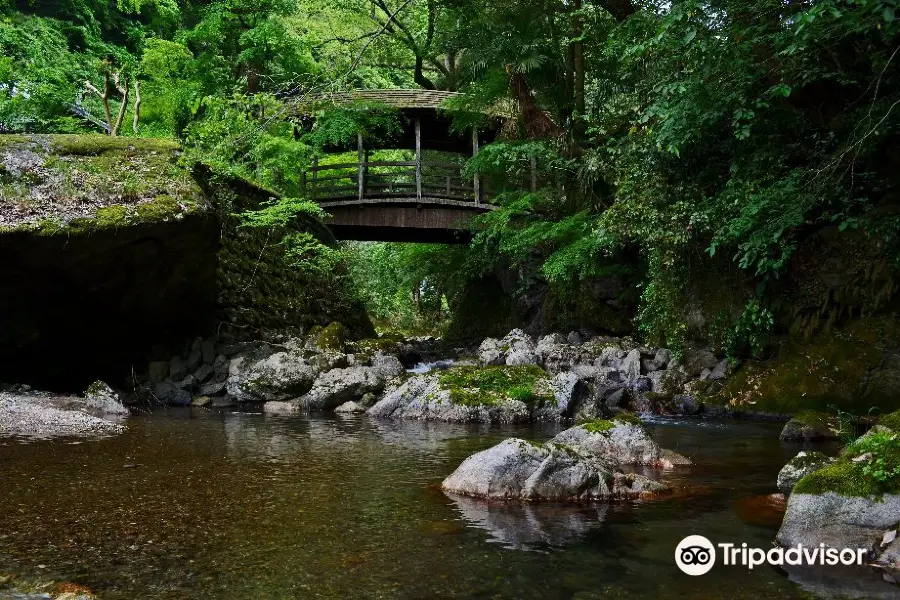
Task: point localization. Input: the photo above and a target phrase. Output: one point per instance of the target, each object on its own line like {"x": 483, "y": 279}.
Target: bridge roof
{"x": 421, "y": 99}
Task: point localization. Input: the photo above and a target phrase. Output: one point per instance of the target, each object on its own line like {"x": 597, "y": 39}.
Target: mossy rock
{"x": 890, "y": 420}
{"x": 489, "y": 386}
{"x": 372, "y": 346}
{"x": 331, "y": 337}
{"x": 867, "y": 467}
{"x": 810, "y": 425}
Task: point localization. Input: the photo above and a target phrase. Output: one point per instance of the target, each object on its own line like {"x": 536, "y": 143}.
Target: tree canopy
{"x": 689, "y": 132}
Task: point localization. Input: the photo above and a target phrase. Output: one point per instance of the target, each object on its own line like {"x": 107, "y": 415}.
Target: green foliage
{"x": 869, "y": 467}
{"x": 690, "y": 132}
{"x": 748, "y": 335}
{"x": 339, "y": 126}
{"x": 884, "y": 465}
{"x": 407, "y": 287}
{"x": 242, "y": 137}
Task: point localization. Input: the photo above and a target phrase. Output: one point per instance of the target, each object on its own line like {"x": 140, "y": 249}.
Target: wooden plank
{"x": 418, "y": 157}
{"x": 476, "y": 184}
{"x": 314, "y": 177}
{"x": 360, "y": 153}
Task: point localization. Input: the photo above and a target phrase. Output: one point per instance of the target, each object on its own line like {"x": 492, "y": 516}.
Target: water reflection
{"x": 525, "y": 526}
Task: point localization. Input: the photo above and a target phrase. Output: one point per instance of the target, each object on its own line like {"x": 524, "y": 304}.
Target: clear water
{"x": 197, "y": 504}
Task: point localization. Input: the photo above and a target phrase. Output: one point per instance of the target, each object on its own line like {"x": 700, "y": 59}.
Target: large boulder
{"x": 556, "y": 355}
{"x": 498, "y": 394}
{"x": 620, "y": 441}
{"x": 424, "y": 398}
{"x": 519, "y": 470}
{"x": 338, "y": 386}
{"x": 565, "y": 388}
{"x": 852, "y": 501}
{"x": 798, "y": 467}
{"x": 519, "y": 348}
{"x": 514, "y": 349}
{"x": 695, "y": 361}
{"x": 839, "y": 521}
{"x": 489, "y": 352}
{"x": 281, "y": 376}
{"x": 631, "y": 365}
{"x": 170, "y": 394}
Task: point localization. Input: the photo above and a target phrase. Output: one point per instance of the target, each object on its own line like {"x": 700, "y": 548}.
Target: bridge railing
{"x": 393, "y": 179}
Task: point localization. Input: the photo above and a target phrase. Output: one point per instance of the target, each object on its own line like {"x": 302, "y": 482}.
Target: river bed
{"x": 191, "y": 503}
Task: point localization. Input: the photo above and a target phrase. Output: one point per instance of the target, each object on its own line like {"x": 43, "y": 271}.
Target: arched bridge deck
{"x": 397, "y": 200}
{"x": 416, "y": 201}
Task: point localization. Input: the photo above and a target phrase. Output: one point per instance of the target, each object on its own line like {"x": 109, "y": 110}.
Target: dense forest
{"x": 685, "y": 141}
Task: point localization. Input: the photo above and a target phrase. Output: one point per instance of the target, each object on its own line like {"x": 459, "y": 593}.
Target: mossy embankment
{"x": 113, "y": 253}
{"x": 853, "y": 367}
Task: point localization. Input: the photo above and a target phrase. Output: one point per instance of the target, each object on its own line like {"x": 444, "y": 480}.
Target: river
{"x": 191, "y": 503}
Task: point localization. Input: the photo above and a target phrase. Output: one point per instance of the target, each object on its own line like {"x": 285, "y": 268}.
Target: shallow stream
{"x": 197, "y": 504}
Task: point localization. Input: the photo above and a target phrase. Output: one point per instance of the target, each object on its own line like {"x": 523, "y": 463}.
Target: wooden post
{"x": 360, "y": 179}
{"x": 476, "y": 182}
{"x": 315, "y": 174}
{"x": 418, "y": 159}
{"x": 533, "y": 174}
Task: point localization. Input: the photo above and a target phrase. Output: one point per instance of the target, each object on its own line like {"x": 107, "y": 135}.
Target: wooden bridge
{"x": 407, "y": 200}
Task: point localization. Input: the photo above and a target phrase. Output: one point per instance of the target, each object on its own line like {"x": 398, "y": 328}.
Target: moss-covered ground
{"x": 489, "y": 386}
{"x": 604, "y": 425}
{"x": 76, "y": 184}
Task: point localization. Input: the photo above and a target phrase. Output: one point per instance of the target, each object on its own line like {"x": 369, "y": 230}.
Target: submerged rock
{"x": 798, "y": 467}
{"x": 350, "y": 408}
{"x": 519, "y": 470}
{"x": 275, "y": 407}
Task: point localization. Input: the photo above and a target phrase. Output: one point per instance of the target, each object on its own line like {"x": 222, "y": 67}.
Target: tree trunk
{"x": 137, "y": 107}
{"x": 535, "y": 120}
{"x": 578, "y": 71}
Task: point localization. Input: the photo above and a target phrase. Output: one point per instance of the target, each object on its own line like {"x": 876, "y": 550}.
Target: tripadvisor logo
{"x": 696, "y": 555}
